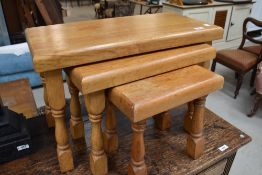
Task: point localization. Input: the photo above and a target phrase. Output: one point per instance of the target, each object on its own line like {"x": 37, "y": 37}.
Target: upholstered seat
{"x": 243, "y": 59}
{"x": 253, "y": 49}
{"x": 237, "y": 59}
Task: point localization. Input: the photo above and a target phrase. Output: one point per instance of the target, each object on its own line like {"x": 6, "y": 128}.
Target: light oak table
{"x": 66, "y": 45}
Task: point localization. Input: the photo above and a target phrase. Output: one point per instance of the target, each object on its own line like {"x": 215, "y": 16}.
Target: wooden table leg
{"x": 188, "y": 116}
{"x": 163, "y": 121}
{"x": 137, "y": 164}
{"x": 56, "y": 97}
{"x": 195, "y": 140}
{"x": 95, "y": 104}
{"x": 76, "y": 121}
{"x": 49, "y": 118}
{"x": 110, "y": 135}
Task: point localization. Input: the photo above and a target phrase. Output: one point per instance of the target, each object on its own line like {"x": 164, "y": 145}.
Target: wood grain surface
{"x": 65, "y": 45}
{"x": 99, "y": 76}
{"x": 145, "y": 98}
{"x": 165, "y": 150}
{"x": 17, "y": 95}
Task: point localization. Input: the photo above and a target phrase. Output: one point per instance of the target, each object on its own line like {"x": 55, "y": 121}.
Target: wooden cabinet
{"x": 221, "y": 17}
{"x": 204, "y": 14}
{"x": 229, "y": 16}
{"x": 239, "y": 14}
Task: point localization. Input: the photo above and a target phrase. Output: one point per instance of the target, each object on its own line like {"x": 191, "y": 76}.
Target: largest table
{"x": 66, "y": 45}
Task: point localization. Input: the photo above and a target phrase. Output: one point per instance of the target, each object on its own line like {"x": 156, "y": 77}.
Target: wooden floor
{"x": 165, "y": 151}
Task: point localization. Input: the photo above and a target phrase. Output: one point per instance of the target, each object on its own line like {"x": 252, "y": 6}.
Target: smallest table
{"x": 149, "y": 6}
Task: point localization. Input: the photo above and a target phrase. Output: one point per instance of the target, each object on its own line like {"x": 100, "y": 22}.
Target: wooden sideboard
{"x": 229, "y": 16}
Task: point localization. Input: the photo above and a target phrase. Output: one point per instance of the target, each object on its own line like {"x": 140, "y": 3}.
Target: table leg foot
{"x": 195, "y": 147}
{"x": 137, "y": 170}
{"x": 98, "y": 164}
{"x": 65, "y": 159}
{"x": 110, "y": 135}
{"x": 163, "y": 121}
{"x": 77, "y": 129}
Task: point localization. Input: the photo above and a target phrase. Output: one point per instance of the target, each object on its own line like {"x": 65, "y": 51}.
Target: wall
{"x": 256, "y": 13}
{"x": 4, "y": 37}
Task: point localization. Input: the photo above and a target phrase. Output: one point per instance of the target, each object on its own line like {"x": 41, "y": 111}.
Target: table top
{"x": 65, "y": 45}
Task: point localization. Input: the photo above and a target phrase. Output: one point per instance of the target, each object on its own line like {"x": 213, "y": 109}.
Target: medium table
{"x": 66, "y": 45}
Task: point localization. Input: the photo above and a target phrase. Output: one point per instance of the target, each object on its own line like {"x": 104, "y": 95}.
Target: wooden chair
{"x": 243, "y": 59}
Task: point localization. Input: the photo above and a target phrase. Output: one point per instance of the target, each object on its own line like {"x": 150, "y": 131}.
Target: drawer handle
{"x": 231, "y": 24}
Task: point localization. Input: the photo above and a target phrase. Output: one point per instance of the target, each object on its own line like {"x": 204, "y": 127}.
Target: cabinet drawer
{"x": 203, "y": 14}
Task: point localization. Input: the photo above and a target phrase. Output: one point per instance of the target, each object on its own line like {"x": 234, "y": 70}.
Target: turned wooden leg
{"x": 56, "y": 97}
{"x": 195, "y": 140}
{"x": 253, "y": 76}
{"x": 137, "y": 164}
{"x": 95, "y": 104}
{"x": 76, "y": 121}
{"x": 163, "y": 121}
{"x": 49, "y": 118}
{"x": 110, "y": 135}
{"x": 188, "y": 117}
{"x": 239, "y": 84}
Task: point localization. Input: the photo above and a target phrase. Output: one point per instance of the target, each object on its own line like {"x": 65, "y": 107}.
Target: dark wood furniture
{"x": 151, "y": 8}
{"x": 165, "y": 150}
{"x": 17, "y": 96}
{"x": 241, "y": 60}
{"x": 20, "y": 14}
{"x": 51, "y": 11}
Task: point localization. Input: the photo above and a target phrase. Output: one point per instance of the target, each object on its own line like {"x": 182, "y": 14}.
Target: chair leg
{"x": 110, "y": 135}
{"x": 239, "y": 84}
{"x": 253, "y": 76}
{"x": 195, "y": 140}
{"x": 236, "y": 75}
{"x": 253, "y": 111}
{"x": 137, "y": 164}
{"x": 76, "y": 121}
{"x": 213, "y": 67}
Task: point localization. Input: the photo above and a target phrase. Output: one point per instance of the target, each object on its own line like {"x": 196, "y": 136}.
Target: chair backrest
{"x": 51, "y": 11}
{"x": 246, "y": 36}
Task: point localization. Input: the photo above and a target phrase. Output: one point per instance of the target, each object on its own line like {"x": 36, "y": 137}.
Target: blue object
{"x": 13, "y": 67}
